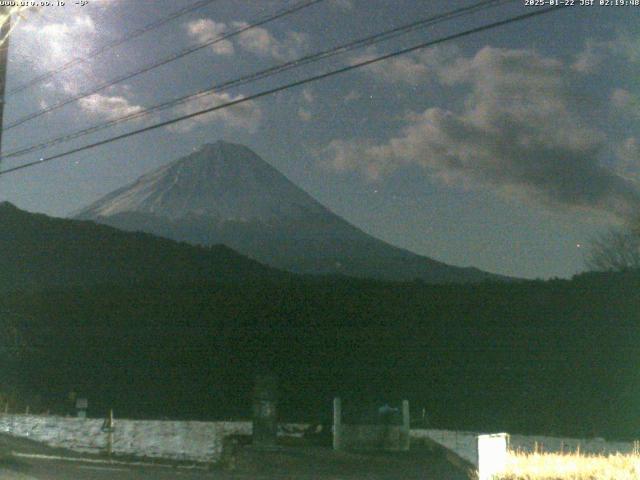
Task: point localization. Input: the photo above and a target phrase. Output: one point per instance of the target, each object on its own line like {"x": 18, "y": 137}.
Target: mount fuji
{"x": 224, "y": 193}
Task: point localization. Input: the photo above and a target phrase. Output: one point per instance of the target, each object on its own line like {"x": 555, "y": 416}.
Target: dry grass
{"x": 571, "y": 466}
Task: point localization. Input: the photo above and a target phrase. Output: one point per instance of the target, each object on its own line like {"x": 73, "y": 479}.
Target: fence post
{"x": 108, "y": 427}
{"x": 110, "y": 438}
{"x": 265, "y": 413}
{"x": 337, "y": 423}
{"x": 406, "y": 426}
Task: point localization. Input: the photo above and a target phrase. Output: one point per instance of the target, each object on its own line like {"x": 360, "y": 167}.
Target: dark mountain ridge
{"x": 43, "y": 252}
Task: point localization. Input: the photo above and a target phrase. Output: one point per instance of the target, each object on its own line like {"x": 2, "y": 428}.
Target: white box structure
{"x": 492, "y": 455}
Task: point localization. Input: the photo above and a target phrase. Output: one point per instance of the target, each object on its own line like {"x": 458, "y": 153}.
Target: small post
{"x": 82, "y": 404}
{"x": 265, "y": 413}
{"x": 110, "y": 437}
{"x": 108, "y": 428}
{"x": 337, "y": 423}
{"x": 26, "y": 412}
{"x": 406, "y": 426}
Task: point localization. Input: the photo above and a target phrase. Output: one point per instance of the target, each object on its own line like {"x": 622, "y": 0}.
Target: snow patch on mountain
{"x": 224, "y": 181}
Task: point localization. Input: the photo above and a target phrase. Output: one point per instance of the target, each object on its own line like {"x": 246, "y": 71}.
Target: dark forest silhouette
{"x": 552, "y": 357}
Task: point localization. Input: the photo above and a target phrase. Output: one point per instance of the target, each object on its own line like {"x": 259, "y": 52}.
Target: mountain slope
{"x": 225, "y": 193}
{"x": 44, "y": 252}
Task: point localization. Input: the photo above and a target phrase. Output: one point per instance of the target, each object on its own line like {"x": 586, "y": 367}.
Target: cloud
{"x": 57, "y": 42}
{"x": 360, "y": 155}
{"x": 342, "y": 4}
{"x": 413, "y": 68}
{"x": 629, "y": 155}
{"x": 304, "y": 115}
{"x": 352, "y": 96}
{"x": 625, "y": 102}
{"x": 625, "y": 45}
{"x": 55, "y": 35}
{"x": 591, "y": 57}
{"x": 256, "y": 40}
{"x": 518, "y": 134}
{"x": 246, "y": 115}
{"x": 308, "y": 99}
{"x": 261, "y": 42}
{"x": 205, "y": 29}
{"x": 109, "y": 107}
{"x": 308, "y": 96}
{"x": 103, "y": 3}
{"x": 61, "y": 37}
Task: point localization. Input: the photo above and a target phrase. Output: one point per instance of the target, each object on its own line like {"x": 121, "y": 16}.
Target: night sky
{"x": 507, "y": 150}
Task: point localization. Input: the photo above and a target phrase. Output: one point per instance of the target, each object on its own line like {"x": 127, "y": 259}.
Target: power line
{"x": 298, "y": 83}
{"x": 110, "y": 46}
{"x": 183, "y": 53}
{"x": 277, "y": 69}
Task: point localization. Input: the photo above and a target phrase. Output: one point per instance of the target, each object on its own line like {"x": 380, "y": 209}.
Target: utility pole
{"x": 5, "y": 29}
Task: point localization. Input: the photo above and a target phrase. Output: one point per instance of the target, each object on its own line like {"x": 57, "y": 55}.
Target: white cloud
{"x": 205, "y": 29}
{"x": 304, "y": 115}
{"x": 256, "y": 40}
{"x": 342, "y": 4}
{"x": 58, "y": 42}
{"x": 625, "y": 45}
{"x": 308, "y": 96}
{"x": 261, "y": 42}
{"x": 413, "y": 68}
{"x": 55, "y": 35}
{"x": 360, "y": 155}
{"x": 109, "y": 107}
{"x": 629, "y": 155}
{"x": 625, "y": 102}
{"x": 591, "y": 57}
{"x": 308, "y": 99}
{"x": 352, "y": 96}
{"x": 245, "y": 115}
{"x": 518, "y": 134}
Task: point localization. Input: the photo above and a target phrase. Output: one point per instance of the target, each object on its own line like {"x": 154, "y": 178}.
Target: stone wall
{"x": 190, "y": 441}
{"x": 203, "y": 441}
